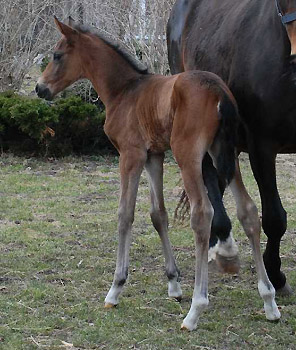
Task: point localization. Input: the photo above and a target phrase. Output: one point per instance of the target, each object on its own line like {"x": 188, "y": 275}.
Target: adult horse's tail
{"x": 223, "y": 148}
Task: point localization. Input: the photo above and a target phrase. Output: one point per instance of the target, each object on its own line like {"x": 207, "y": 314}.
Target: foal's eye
{"x": 57, "y": 56}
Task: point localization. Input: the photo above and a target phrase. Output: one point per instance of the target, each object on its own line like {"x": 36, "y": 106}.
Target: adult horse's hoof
{"x": 285, "y": 291}
{"x": 230, "y": 265}
{"x": 109, "y": 306}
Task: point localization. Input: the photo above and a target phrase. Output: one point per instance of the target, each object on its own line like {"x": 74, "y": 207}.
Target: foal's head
{"x": 65, "y": 67}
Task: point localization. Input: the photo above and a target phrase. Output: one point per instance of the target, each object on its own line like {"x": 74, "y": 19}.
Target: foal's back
{"x": 146, "y": 111}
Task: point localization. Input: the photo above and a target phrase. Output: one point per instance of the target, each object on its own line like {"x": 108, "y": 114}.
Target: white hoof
{"x": 174, "y": 290}
{"x": 188, "y": 325}
{"x": 272, "y": 312}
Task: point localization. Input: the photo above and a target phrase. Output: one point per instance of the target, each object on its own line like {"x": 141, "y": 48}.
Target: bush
{"x": 33, "y": 117}
{"x": 78, "y": 126}
{"x": 7, "y": 100}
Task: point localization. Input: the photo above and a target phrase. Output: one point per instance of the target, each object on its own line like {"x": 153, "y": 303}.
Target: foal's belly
{"x": 158, "y": 143}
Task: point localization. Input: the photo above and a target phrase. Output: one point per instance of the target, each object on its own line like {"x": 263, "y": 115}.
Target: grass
{"x": 57, "y": 257}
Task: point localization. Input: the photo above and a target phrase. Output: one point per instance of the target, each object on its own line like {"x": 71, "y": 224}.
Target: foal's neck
{"x": 109, "y": 72}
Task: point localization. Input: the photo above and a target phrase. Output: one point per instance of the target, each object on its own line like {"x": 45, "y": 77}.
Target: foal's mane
{"x": 115, "y": 45}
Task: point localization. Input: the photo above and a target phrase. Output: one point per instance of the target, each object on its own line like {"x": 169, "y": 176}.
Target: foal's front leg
{"x": 131, "y": 166}
{"x": 159, "y": 217}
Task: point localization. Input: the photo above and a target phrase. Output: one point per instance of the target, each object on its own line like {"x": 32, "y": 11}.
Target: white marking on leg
{"x": 198, "y": 305}
{"x": 212, "y": 253}
{"x": 227, "y": 248}
{"x": 112, "y": 297}
{"x": 267, "y": 293}
{"x": 174, "y": 289}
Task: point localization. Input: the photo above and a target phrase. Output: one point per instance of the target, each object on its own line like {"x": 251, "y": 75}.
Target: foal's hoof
{"x": 229, "y": 265}
{"x": 285, "y": 291}
{"x": 184, "y": 328}
{"x": 109, "y": 306}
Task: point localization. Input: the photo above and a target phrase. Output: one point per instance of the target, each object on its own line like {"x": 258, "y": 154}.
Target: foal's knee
{"x": 125, "y": 218}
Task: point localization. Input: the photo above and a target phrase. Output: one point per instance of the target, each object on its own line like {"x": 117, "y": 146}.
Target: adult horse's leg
{"x": 159, "y": 217}
{"x": 131, "y": 167}
{"x": 247, "y": 214}
{"x": 223, "y": 248}
{"x": 274, "y": 218}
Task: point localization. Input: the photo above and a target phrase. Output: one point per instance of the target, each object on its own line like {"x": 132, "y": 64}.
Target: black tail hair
{"x": 225, "y": 139}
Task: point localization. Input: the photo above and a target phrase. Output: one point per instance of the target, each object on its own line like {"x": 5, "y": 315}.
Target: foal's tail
{"x": 223, "y": 148}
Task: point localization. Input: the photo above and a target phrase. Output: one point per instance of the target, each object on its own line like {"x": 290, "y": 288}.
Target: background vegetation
{"x": 67, "y": 126}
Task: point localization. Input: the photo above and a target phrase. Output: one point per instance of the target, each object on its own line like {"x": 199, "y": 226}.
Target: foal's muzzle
{"x": 43, "y": 92}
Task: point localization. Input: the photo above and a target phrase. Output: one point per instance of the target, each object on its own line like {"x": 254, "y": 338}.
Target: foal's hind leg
{"x": 201, "y": 219}
{"x": 131, "y": 166}
{"x": 159, "y": 217}
{"x": 248, "y": 216}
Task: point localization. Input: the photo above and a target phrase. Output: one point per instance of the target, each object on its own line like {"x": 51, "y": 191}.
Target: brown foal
{"x": 192, "y": 113}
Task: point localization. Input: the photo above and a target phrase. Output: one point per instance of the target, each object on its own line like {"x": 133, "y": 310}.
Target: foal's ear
{"x": 69, "y": 32}
{"x": 71, "y": 21}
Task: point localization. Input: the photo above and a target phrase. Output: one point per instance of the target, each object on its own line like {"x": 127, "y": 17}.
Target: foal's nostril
{"x": 43, "y": 91}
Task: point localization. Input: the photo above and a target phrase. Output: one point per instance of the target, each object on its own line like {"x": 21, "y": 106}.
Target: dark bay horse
{"x": 251, "y": 45}
{"x": 147, "y": 114}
